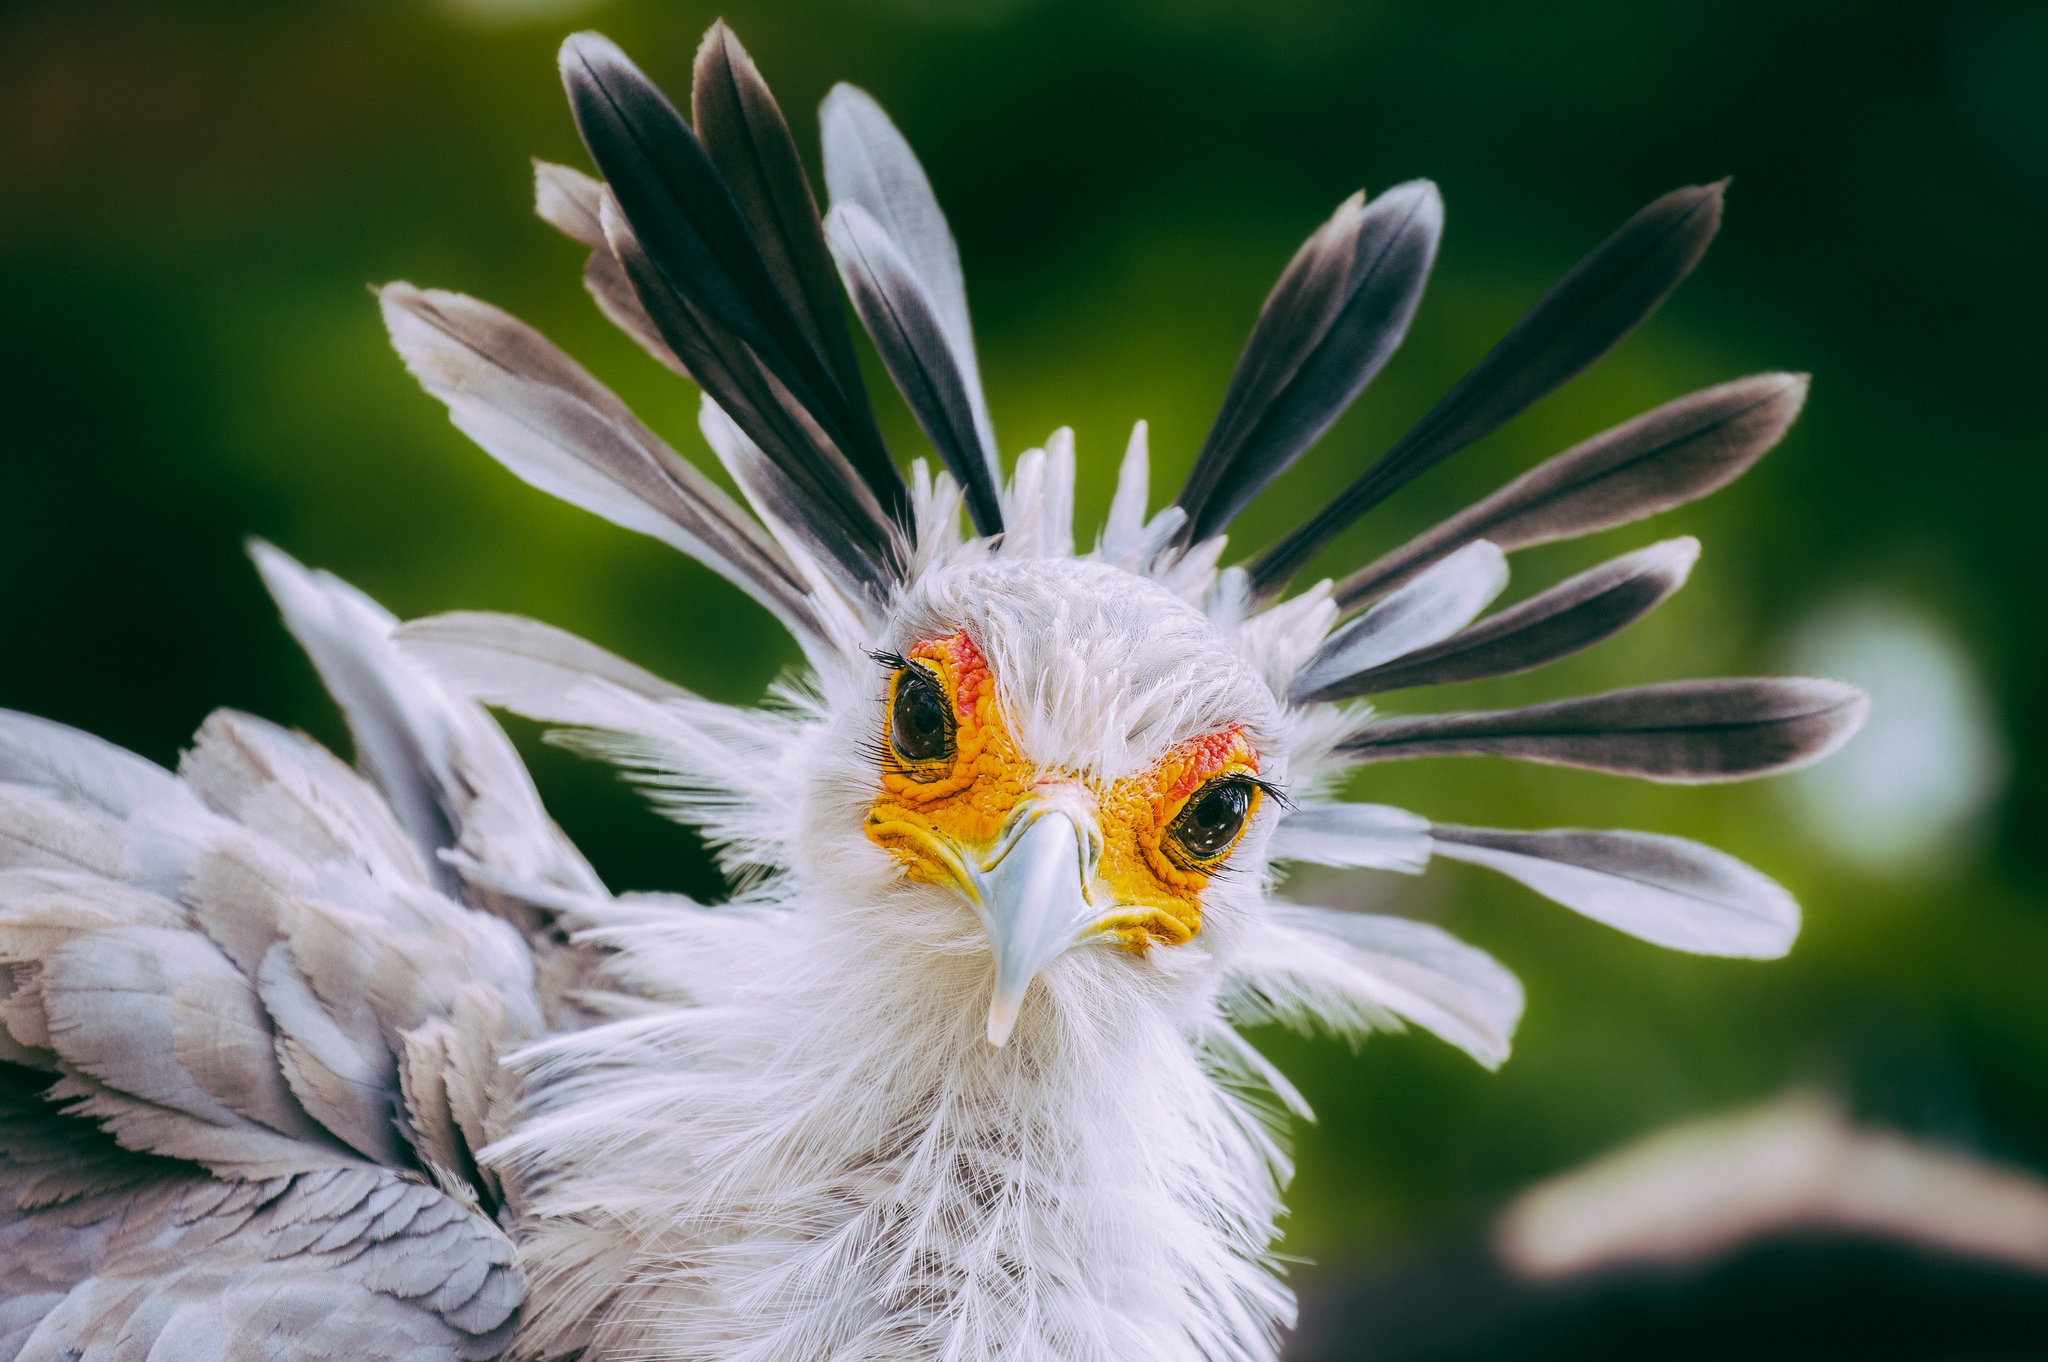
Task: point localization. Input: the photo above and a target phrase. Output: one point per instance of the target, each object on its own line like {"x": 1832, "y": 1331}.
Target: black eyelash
{"x": 1269, "y": 790}
{"x": 1220, "y": 865}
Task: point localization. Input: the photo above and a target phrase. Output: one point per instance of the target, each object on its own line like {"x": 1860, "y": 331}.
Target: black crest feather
{"x": 1601, "y": 300}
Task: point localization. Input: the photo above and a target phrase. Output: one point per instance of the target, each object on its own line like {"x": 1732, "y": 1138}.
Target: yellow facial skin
{"x": 935, "y": 815}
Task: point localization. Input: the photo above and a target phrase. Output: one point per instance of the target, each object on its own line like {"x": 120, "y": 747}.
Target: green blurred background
{"x": 193, "y": 197}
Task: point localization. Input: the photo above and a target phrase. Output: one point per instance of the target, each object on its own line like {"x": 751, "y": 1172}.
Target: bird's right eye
{"x": 920, "y": 718}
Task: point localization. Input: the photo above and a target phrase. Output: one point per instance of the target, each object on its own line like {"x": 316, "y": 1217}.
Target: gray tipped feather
{"x": 1574, "y": 614}
{"x": 702, "y": 250}
{"x": 1601, "y": 300}
{"x": 909, "y": 333}
{"x": 52, "y": 756}
{"x": 868, "y": 162}
{"x": 1336, "y": 316}
{"x": 569, "y": 201}
{"x": 1666, "y": 890}
{"x": 1435, "y": 605}
{"x": 1664, "y": 458}
{"x": 1682, "y": 732}
{"x": 547, "y": 420}
{"x": 566, "y": 200}
{"x": 107, "y": 1254}
{"x": 337, "y": 628}
{"x": 520, "y": 664}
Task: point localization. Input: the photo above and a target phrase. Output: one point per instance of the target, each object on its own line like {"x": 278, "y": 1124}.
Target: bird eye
{"x": 1210, "y": 823}
{"x": 920, "y": 718}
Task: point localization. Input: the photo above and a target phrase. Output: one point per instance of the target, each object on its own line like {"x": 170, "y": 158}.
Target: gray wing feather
{"x": 251, "y": 1047}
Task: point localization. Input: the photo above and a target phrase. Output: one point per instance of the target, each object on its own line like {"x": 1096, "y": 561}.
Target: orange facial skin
{"x": 933, "y": 816}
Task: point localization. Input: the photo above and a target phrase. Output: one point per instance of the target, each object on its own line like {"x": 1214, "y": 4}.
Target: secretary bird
{"x": 299, "y": 1061}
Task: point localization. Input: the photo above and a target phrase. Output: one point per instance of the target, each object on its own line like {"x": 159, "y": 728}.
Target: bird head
{"x": 1073, "y": 754}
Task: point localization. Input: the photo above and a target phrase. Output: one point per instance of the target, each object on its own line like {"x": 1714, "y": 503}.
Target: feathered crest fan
{"x": 304, "y": 1062}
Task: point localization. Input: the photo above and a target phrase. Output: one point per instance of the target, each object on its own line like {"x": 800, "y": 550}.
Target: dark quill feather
{"x": 1661, "y": 459}
{"x": 1596, "y": 304}
{"x": 1682, "y": 732}
{"x": 838, "y": 510}
{"x": 701, "y": 247}
{"x": 1574, "y": 614}
{"x": 748, "y": 140}
{"x": 1338, "y": 313}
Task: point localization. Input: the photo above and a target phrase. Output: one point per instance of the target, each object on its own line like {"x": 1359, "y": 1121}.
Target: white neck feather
{"x": 808, "y": 1151}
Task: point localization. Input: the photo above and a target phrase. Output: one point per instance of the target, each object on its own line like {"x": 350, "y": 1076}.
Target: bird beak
{"x": 1033, "y": 899}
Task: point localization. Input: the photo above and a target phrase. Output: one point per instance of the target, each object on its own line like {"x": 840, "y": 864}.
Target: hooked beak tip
{"x": 1002, "y": 1017}
{"x": 1033, "y": 904}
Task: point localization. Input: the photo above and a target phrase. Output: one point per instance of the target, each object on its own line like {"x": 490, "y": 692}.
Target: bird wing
{"x": 252, "y": 1016}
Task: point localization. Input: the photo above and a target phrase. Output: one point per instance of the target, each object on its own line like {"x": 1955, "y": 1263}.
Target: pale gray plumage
{"x": 302, "y": 1062}
{"x": 188, "y": 1032}
{"x": 551, "y": 424}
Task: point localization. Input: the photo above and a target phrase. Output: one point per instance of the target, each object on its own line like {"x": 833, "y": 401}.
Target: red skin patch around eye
{"x": 1193, "y": 762}
{"x": 964, "y": 664}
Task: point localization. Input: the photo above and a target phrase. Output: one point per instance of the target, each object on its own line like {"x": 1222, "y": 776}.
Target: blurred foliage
{"x": 193, "y": 196}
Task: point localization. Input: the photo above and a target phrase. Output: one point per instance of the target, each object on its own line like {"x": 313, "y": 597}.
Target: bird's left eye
{"x": 1210, "y": 823}
{"x": 920, "y": 718}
